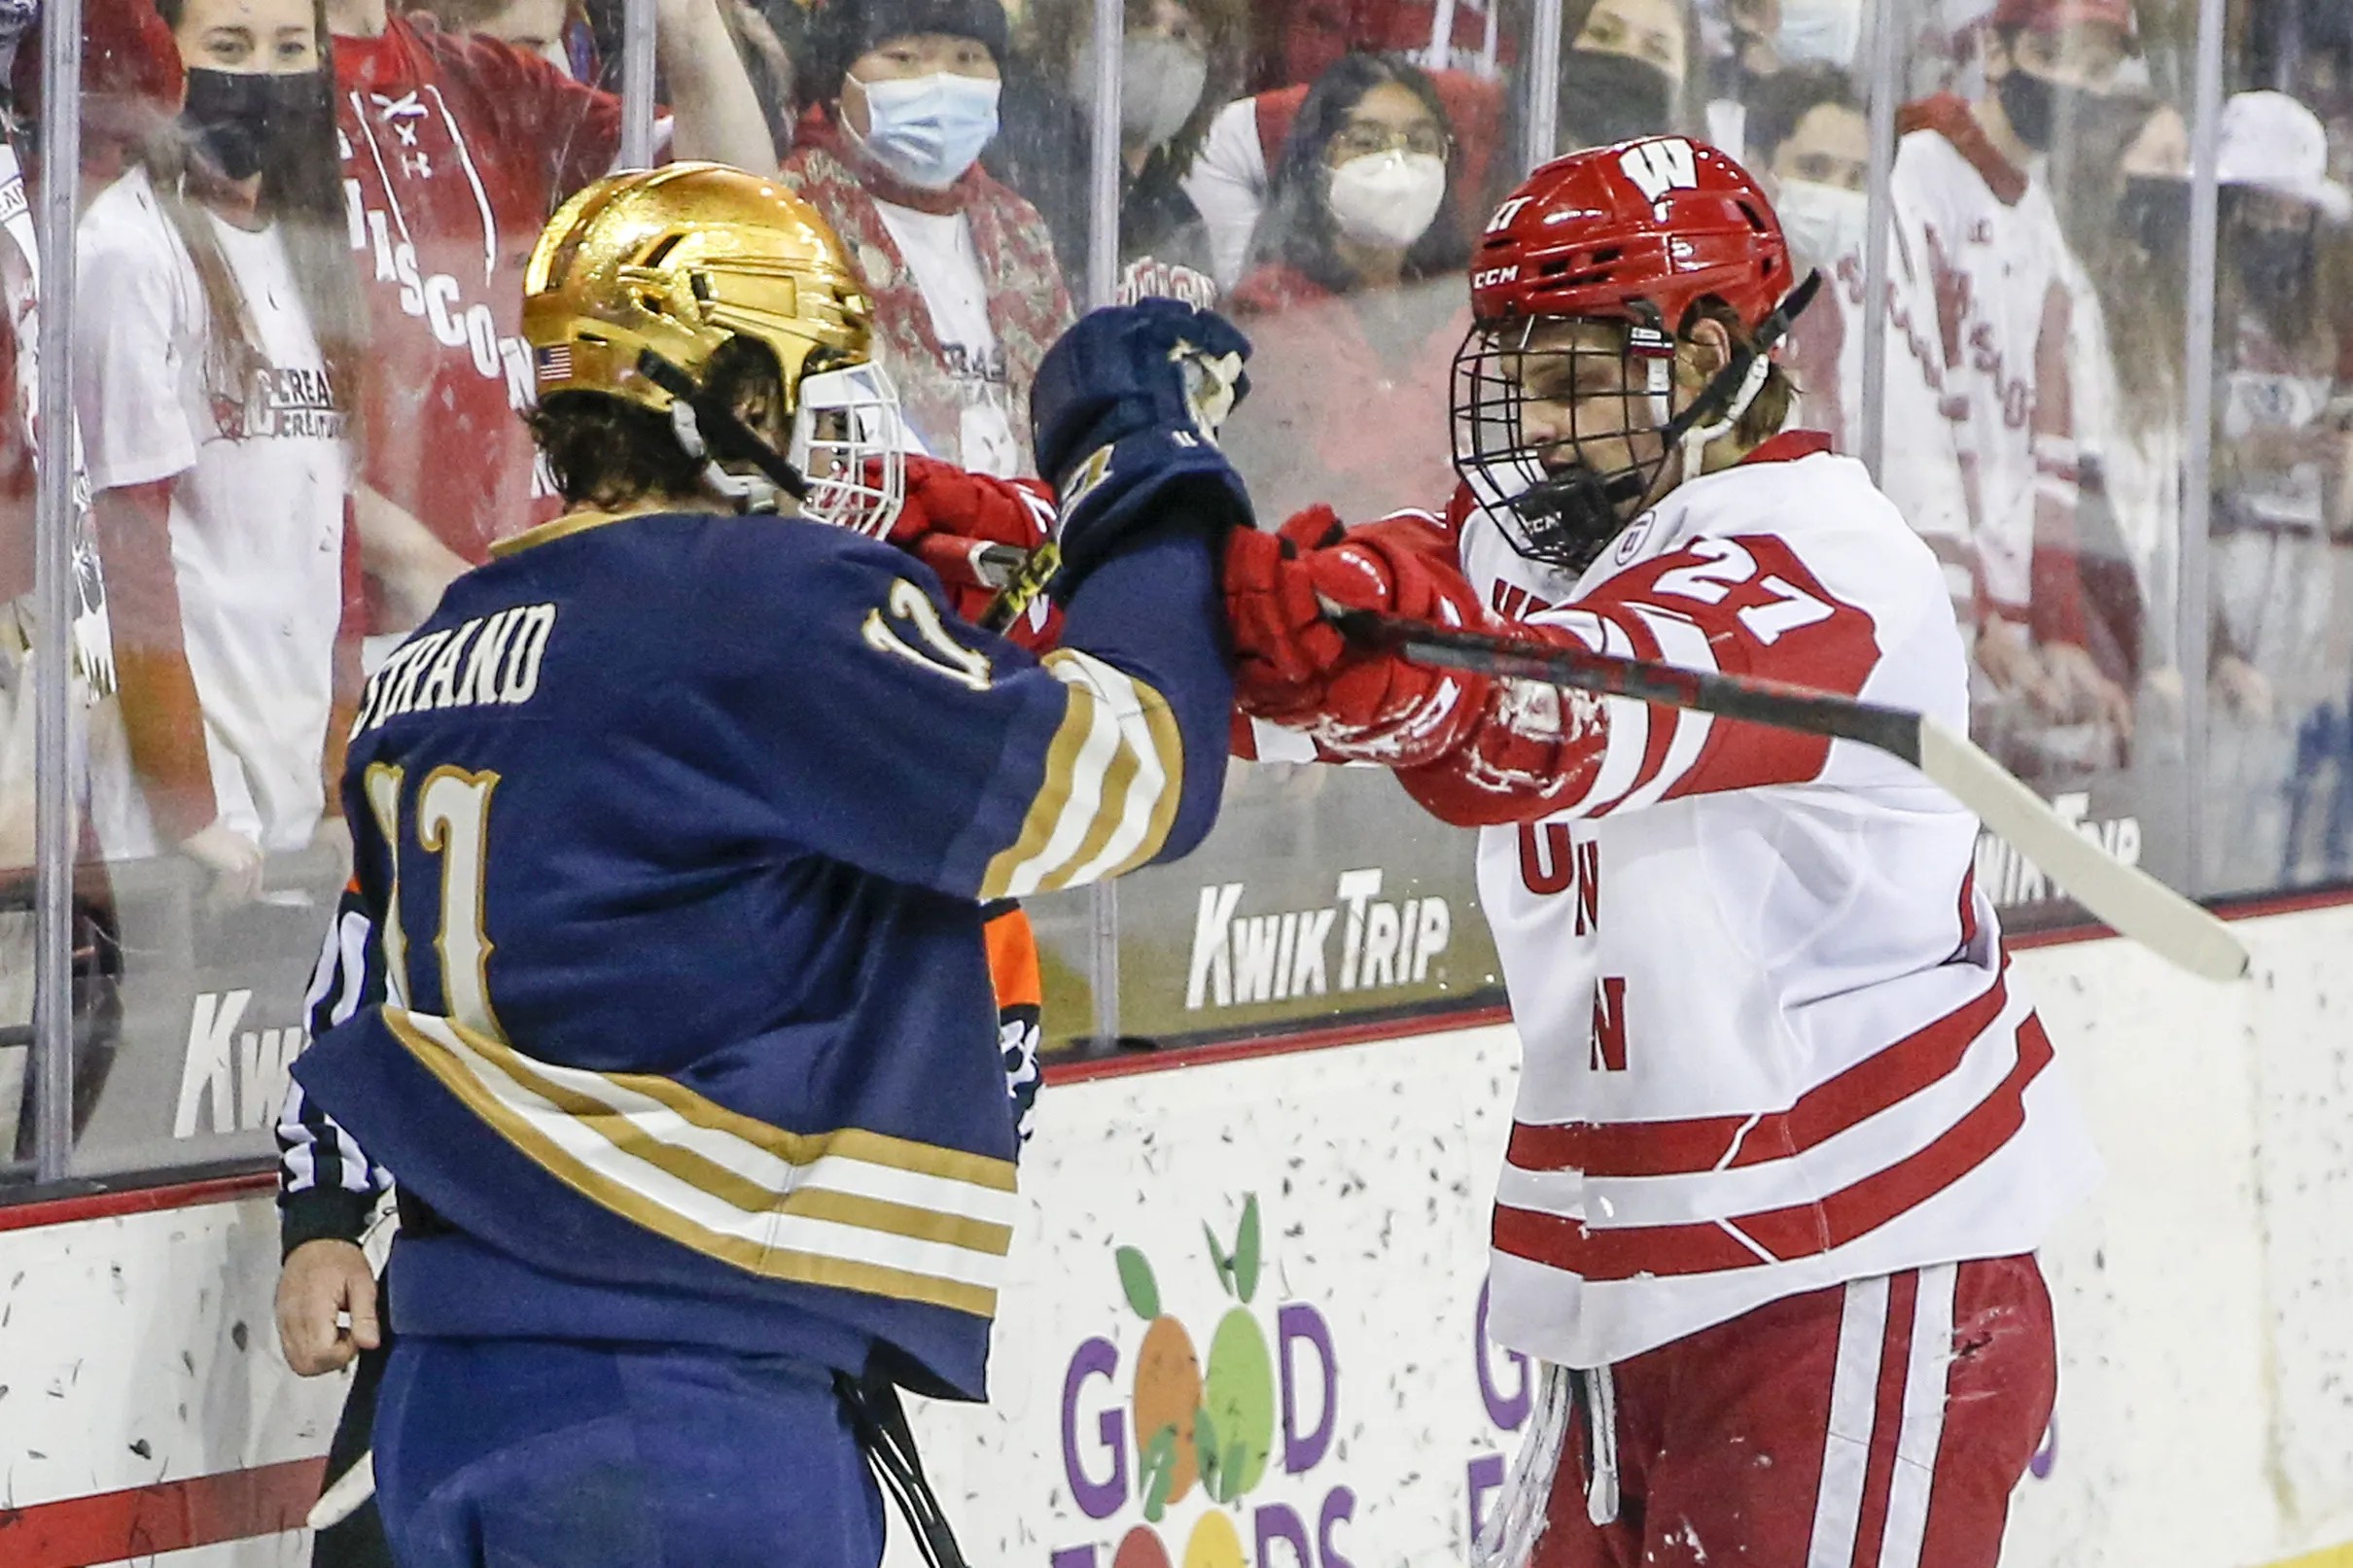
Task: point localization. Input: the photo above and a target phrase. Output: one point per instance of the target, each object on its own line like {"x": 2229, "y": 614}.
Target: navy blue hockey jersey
{"x": 672, "y": 999}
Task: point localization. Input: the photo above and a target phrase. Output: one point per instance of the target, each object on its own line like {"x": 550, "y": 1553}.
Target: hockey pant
{"x": 1877, "y": 1424}
{"x": 529, "y": 1453}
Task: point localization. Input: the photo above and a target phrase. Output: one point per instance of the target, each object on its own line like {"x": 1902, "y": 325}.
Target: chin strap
{"x": 708, "y": 431}
{"x": 1728, "y": 394}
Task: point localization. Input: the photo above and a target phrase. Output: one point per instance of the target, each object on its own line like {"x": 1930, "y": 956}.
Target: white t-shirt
{"x": 939, "y": 250}
{"x": 257, "y": 500}
{"x": 1227, "y": 183}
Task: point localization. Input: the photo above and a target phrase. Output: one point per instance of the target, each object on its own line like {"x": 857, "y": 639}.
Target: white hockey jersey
{"x": 1770, "y": 1039}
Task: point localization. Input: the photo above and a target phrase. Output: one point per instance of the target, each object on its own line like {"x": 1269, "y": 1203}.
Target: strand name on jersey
{"x": 492, "y": 660}
{"x": 1241, "y": 958}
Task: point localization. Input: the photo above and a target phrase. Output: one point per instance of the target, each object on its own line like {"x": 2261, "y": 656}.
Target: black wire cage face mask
{"x": 1564, "y": 514}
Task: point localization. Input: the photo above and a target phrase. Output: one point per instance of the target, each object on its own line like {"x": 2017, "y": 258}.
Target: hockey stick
{"x": 2127, "y": 899}
{"x": 339, "y": 1502}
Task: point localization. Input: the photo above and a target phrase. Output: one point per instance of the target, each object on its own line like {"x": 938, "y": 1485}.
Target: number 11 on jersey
{"x": 452, "y": 824}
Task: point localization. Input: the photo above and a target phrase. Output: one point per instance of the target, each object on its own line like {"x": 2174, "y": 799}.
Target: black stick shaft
{"x": 1892, "y": 730}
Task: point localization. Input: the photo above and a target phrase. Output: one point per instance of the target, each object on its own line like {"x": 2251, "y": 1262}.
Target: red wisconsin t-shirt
{"x": 456, "y": 150}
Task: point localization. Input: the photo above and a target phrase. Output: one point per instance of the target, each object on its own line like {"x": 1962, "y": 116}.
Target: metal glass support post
{"x": 2193, "y": 609}
{"x": 637, "y": 84}
{"x": 1886, "y": 91}
{"x": 1543, "y": 80}
{"x": 54, "y": 525}
{"x": 1103, "y": 289}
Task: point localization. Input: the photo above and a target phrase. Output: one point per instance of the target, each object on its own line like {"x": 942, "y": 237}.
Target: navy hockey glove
{"x": 1124, "y": 416}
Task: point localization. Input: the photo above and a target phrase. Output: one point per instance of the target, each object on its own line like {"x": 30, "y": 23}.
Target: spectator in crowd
{"x": 967, "y": 293}
{"x": 1624, "y": 68}
{"x": 1228, "y": 180}
{"x": 1762, "y": 39}
{"x": 1299, "y": 40}
{"x": 218, "y": 333}
{"x": 2283, "y": 477}
{"x": 458, "y": 149}
{"x": 1980, "y": 315}
{"x": 2124, "y": 208}
{"x": 1354, "y": 303}
{"x": 542, "y": 28}
{"x": 1182, "y": 61}
{"x": 1811, "y": 149}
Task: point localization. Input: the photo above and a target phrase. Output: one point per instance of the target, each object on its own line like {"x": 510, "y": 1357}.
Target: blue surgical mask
{"x": 927, "y": 130}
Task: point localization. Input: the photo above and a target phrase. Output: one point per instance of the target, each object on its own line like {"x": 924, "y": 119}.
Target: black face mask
{"x": 239, "y": 120}
{"x": 1607, "y": 98}
{"x": 2154, "y": 213}
{"x": 2275, "y": 264}
{"x": 2036, "y": 106}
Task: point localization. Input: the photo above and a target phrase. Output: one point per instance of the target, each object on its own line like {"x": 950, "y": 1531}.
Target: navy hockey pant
{"x": 527, "y": 1453}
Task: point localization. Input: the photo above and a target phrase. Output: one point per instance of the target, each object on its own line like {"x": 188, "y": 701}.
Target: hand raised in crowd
{"x": 321, "y": 1282}
{"x": 234, "y": 860}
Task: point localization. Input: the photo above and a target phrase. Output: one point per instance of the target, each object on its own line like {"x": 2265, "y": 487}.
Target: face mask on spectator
{"x": 1160, "y": 84}
{"x": 2037, "y": 106}
{"x": 1388, "y": 199}
{"x": 2154, "y": 212}
{"x": 1823, "y": 30}
{"x": 927, "y": 130}
{"x": 1607, "y": 98}
{"x": 2274, "y": 263}
{"x": 237, "y": 117}
{"x": 1824, "y": 223}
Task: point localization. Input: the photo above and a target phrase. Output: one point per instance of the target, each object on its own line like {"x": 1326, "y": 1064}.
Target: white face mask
{"x": 1827, "y": 31}
{"x": 1388, "y": 198}
{"x": 1160, "y": 84}
{"x": 1824, "y": 224}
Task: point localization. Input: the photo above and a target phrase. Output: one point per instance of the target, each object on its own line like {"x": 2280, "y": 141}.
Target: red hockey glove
{"x": 1295, "y": 669}
{"x": 944, "y": 499}
{"x": 951, "y": 517}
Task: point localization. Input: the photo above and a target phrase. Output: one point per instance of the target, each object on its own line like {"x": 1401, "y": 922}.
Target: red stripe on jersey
{"x": 1663, "y": 723}
{"x": 1688, "y": 1147}
{"x": 1797, "y": 1230}
{"x": 1762, "y": 619}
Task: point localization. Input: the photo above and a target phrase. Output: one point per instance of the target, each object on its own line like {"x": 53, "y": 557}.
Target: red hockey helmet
{"x": 1634, "y": 236}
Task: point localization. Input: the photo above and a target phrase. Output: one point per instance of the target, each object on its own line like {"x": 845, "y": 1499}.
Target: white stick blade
{"x": 342, "y": 1500}
{"x": 2130, "y": 899}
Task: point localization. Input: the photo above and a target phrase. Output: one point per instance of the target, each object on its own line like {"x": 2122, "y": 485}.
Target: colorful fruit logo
{"x": 1217, "y": 1429}
{"x": 1205, "y": 1434}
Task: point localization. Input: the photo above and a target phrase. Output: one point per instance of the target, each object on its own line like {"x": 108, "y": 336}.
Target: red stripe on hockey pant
{"x": 169, "y": 1515}
{"x": 1795, "y": 1231}
{"x": 1677, "y": 1148}
{"x": 1886, "y": 1416}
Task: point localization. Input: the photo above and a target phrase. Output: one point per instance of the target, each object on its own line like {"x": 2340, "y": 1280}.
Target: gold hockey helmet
{"x": 676, "y": 260}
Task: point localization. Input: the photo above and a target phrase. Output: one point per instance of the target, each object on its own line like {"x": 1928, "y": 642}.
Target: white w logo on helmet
{"x": 1657, "y": 167}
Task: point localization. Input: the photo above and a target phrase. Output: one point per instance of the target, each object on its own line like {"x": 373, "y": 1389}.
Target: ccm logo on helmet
{"x": 1660, "y": 166}
{"x": 1493, "y": 275}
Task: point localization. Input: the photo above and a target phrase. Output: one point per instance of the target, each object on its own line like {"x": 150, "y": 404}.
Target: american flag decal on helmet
{"x": 552, "y": 364}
